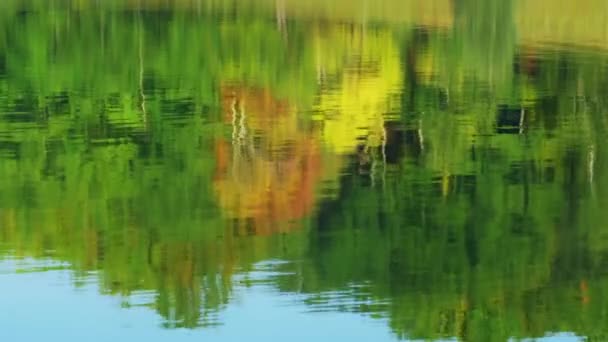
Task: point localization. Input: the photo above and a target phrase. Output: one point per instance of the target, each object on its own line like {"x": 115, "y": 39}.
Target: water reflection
{"x": 439, "y": 169}
{"x": 267, "y": 174}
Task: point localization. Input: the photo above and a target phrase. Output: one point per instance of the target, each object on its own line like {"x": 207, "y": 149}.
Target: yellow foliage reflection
{"x": 367, "y": 66}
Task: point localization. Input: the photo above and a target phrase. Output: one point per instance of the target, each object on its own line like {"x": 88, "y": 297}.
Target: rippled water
{"x": 319, "y": 170}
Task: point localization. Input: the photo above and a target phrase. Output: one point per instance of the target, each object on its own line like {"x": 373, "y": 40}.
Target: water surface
{"x": 260, "y": 170}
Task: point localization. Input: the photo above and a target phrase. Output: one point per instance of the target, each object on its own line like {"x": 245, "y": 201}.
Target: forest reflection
{"x": 439, "y": 166}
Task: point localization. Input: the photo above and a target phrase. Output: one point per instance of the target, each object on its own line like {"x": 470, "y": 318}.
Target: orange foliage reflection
{"x": 267, "y": 172}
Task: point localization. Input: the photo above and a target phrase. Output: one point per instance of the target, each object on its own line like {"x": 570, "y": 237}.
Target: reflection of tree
{"x": 86, "y": 180}
{"x": 268, "y": 174}
{"x": 366, "y": 64}
{"x": 495, "y": 228}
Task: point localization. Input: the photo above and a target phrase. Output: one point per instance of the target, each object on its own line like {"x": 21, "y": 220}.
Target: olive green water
{"x": 257, "y": 170}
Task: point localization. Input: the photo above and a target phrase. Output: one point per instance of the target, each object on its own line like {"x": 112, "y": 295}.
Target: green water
{"x": 242, "y": 170}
